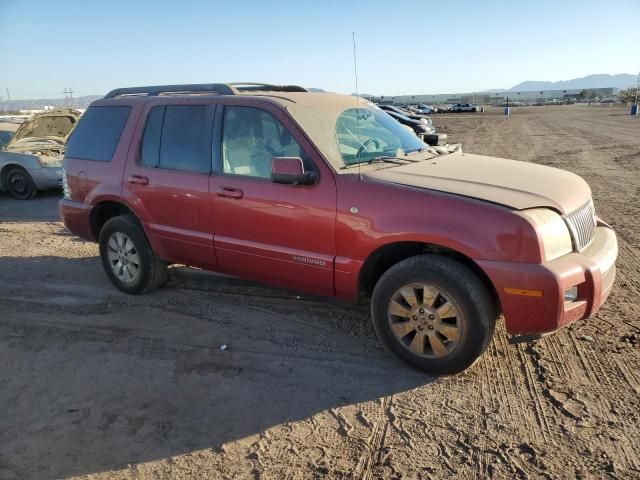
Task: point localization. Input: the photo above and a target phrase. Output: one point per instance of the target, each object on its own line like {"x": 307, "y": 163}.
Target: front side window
{"x": 97, "y": 134}
{"x": 366, "y": 133}
{"x": 250, "y": 138}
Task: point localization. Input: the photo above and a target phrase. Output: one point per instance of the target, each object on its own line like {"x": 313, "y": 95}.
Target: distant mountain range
{"x": 622, "y": 80}
{"x": 80, "y": 102}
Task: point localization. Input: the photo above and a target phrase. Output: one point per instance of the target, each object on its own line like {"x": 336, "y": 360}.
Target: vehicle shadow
{"x": 95, "y": 380}
{"x": 42, "y": 208}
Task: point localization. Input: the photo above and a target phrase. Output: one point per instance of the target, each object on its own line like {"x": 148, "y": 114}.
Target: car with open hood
{"x": 31, "y": 158}
{"x": 328, "y": 194}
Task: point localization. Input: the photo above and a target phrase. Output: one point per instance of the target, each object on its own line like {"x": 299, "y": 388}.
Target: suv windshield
{"x": 364, "y": 134}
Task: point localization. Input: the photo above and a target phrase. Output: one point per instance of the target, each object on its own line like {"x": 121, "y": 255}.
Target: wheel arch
{"x": 105, "y": 210}
{"x": 386, "y": 256}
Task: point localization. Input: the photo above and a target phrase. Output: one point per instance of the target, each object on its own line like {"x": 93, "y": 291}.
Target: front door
{"x": 274, "y": 233}
{"x": 167, "y": 183}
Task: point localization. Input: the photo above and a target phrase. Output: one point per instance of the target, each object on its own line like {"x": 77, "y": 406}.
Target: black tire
{"x": 151, "y": 271}
{"x": 476, "y": 319}
{"x": 19, "y": 184}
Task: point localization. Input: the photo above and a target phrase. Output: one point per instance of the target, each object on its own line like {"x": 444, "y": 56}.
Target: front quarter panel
{"x": 371, "y": 214}
{"x": 25, "y": 160}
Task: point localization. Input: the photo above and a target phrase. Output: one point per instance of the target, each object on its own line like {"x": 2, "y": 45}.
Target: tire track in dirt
{"x": 534, "y": 393}
{"x": 376, "y": 416}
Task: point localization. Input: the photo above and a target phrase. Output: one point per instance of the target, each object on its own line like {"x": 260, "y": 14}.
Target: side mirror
{"x": 290, "y": 170}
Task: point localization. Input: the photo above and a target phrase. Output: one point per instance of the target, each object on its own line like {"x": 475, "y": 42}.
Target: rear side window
{"x": 97, "y": 134}
{"x": 178, "y": 137}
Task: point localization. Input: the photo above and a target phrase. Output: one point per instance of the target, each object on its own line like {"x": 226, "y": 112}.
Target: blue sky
{"x": 403, "y": 46}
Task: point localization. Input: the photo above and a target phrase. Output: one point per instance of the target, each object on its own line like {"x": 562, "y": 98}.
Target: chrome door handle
{"x": 230, "y": 192}
{"x": 139, "y": 179}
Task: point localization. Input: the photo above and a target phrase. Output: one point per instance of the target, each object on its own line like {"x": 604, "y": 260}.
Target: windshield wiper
{"x": 416, "y": 150}
{"x": 380, "y": 159}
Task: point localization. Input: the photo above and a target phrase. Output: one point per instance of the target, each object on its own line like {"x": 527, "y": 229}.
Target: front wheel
{"x": 127, "y": 257}
{"x": 433, "y": 313}
{"x": 19, "y": 184}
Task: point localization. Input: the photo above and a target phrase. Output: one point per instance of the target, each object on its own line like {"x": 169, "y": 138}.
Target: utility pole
{"x": 7, "y": 105}
{"x": 634, "y": 107}
{"x": 68, "y": 97}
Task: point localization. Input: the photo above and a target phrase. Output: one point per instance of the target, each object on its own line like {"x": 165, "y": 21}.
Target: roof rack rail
{"x": 265, "y": 87}
{"x": 202, "y": 89}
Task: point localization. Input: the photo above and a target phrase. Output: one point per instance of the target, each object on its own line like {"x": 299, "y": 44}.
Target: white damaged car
{"x": 31, "y": 160}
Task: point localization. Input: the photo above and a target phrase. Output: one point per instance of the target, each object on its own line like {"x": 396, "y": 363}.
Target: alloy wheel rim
{"x": 123, "y": 257}
{"x": 425, "y": 320}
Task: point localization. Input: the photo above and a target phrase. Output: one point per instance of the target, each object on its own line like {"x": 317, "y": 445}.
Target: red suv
{"x": 327, "y": 194}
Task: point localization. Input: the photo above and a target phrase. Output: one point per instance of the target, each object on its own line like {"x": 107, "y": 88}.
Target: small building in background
{"x": 493, "y": 98}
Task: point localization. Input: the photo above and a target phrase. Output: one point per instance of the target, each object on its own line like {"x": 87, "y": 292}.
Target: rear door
{"x": 274, "y": 233}
{"x": 166, "y": 181}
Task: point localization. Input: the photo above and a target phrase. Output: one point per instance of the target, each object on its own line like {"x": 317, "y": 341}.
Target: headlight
{"x": 552, "y": 231}
{"x": 47, "y": 161}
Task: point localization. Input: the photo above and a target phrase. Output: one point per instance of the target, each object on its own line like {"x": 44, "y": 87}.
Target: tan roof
{"x": 309, "y": 99}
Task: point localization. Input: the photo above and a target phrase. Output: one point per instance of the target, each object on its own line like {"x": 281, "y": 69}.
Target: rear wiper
{"x": 381, "y": 159}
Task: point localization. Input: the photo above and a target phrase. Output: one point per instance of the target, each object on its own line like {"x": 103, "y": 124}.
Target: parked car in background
{"x": 327, "y": 194}
{"x": 464, "y": 107}
{"x": 426, "y": 131}
{"x": 425, "y": 109}
{"x": 419, "y": 126}
{"x": 31, "y": 159}
{"x": 406, "y": 112}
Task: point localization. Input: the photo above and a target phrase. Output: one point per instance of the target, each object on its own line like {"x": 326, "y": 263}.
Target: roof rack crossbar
{"x": 203, "y": 88}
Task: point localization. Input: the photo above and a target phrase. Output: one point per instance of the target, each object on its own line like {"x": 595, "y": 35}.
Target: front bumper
{"x": 527, "y": 311}
{"x": 47, "y": 178}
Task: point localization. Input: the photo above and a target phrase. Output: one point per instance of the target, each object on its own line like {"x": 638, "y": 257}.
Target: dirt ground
{"x": 97, "y": 384}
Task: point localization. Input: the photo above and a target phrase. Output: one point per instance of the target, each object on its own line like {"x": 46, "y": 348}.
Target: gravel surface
{"x": 97, "y": 384}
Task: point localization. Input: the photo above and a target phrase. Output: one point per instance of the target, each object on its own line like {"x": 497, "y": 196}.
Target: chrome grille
{"x": 582, "y": 225}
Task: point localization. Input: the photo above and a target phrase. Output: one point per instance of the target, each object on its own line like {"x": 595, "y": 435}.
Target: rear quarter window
{"x": 97, "y": 134}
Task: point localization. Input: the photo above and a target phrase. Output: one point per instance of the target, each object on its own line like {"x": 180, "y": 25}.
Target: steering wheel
{"x": 364, "y": 146}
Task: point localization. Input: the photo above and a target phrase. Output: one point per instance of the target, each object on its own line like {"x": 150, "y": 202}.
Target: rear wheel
{"x": 433, "y": 313}
{"x": 127, "y": 257}
{"x": 19, "y": 184}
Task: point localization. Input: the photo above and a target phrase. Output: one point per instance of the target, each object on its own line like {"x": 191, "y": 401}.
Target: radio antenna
{"x": 355, "y": 61}
{"x": 355, "y": 75}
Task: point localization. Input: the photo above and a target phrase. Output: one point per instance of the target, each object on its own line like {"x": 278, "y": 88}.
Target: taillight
{"x": 65, "y": 185}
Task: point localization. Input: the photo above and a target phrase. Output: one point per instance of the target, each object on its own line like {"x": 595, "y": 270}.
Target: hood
{"x": 51, "y": 127}
{"x": 514, "y": 184}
